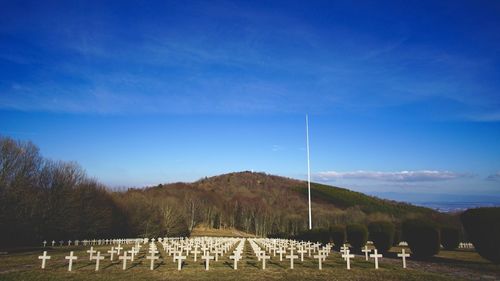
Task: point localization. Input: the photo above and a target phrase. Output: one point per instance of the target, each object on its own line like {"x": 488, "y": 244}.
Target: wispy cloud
{"x": 494, "y": 177}
{"x": 402, "y": 176}
{"x": 484, "y": 117}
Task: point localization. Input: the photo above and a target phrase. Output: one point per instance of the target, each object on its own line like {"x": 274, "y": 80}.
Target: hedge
{"x": 422, "y": 237}
{"x": 337, "y": 235}
{"x": 450, "y": 237}
{"x": 315, "y": 235}
{"x": 357, "y": 235}
{"x": 382, "y": 235}
{"x": 482, "y": 226}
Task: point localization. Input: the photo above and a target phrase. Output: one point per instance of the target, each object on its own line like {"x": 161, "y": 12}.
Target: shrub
{"x": 315, "y": 235}
{"x": 450, "y": 237}
{"x": 357, "y": 234}
{"x": 337, "y": 235}
{"x": 483, "y": 230}
{"x": 422, "y": 237}
{"x": 278, "y": 235}
{"x": 382, "y": 235}
{"x": 397, "y": 235}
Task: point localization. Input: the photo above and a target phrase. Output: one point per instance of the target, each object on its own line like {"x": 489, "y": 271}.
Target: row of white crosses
{"x": 259, "y": 253}
{"x": 100, "y": 242}
{"x": 465, "y": 245}
{"x": 347, "y": 256}
{"x": 210, "y": 249}
{"x": 96, "y": 255}
{"x": 237, "y": 253}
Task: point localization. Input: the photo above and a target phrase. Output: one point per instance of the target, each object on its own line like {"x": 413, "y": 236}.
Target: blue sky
{"x": 402, "y": 97}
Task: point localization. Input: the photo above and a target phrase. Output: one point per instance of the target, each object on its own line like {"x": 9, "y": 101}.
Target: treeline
{"x": 41, "y": 199}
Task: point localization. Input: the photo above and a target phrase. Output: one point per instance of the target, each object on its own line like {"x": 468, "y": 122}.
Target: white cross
{"x": 281, "y": 252}
{"x": 291, "y": 257}
{"x": 343, "y": 249}
{"x": 125, "y": 258}
{"x": 119, "y": 248}
{"x": 217, "y": 252}
{"x": 91, "y": 252}
{"x": 320, "y": 259}
{"x": 153, "y": 257}
{"x": 366, "y": 251}
{"x": 97, "y": 258}
{"x": 44, "y": 258}
{"x": 347, "y": 256}
{"x": 71, "y": 258}
{"x": 264, "y": 258}
{"x": 69, "y": 242}
{"x": 301, "y": 251}
{"x": 195, "y": 252}
{"x": 132, "y": 252}
{"x": 236, "y": 257}
{"x": 179, "y": 259}
{"x": 207, "y": 259}
{"x": 376, "y": 255}
{"x": 44, "y": 243}
{"x": 404, "y": 255}
{"x": 53, "y": 242}
{"x": 112, "y": 252}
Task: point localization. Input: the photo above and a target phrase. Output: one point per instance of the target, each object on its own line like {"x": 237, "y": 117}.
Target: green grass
{"x": 26, "y": 266}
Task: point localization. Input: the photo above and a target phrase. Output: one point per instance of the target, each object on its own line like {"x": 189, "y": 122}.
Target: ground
{"x": 202, "y": 230}
{"x": 448, "y": 265}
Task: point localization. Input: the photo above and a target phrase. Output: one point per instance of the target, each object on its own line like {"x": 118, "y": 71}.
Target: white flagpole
{"x": 308, "y": 173}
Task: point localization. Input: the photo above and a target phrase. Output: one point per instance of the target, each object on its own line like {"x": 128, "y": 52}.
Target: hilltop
{"x": 264, "y": 204}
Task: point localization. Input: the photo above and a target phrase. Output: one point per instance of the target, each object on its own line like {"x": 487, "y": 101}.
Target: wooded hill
{"x": 42, "y": 199}
{"x": 267, "y": 205}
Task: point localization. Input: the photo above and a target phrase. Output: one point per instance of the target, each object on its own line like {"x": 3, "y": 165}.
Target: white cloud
{"x": 402, "y": 176}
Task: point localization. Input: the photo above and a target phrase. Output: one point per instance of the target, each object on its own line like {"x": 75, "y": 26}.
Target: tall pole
{"x": 308, "y": 173}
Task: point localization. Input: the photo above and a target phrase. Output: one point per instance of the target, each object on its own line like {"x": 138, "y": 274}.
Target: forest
{"x": 43, "y": 199}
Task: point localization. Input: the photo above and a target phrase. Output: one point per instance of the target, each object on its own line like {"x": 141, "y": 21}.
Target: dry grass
{"x": 223, "y": 232}
{"x": 26, "y": 266}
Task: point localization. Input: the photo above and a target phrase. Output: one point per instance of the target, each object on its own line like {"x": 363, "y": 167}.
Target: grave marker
{"x": 125, "y": 258}
{"x": 236, "y": 257}
{"x": 91, "y": 253}
{"x": 207, "y": 259}
{"x": 291, "y": 257}
{"x": 376, "y": 255}
{"x": 404, "y": 255}
{"x": 71, "y": 258}
{"x": 179, "y": 259}
{"x": 320, "y": 259}
{"x": 263, "y": 257}
{"x": 366, "y": 251}
{"x": 44, "y": 258}
{"x": 97, "y": 258}
{"x": 112, "y": 252}
{"x": 153, "y": 257}
{"x": 347, "y": 256}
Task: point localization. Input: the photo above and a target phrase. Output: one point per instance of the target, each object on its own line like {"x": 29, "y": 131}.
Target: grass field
{"x": 448, "y": 265}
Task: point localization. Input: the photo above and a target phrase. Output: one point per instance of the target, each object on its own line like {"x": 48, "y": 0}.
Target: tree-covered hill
{"x": 42, "y": 199}
{"x": 266, "y": 204}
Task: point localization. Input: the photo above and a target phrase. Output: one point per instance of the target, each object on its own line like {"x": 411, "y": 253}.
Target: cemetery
{"x": 199, "y": 231}
{"x": 232, "y": 258}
